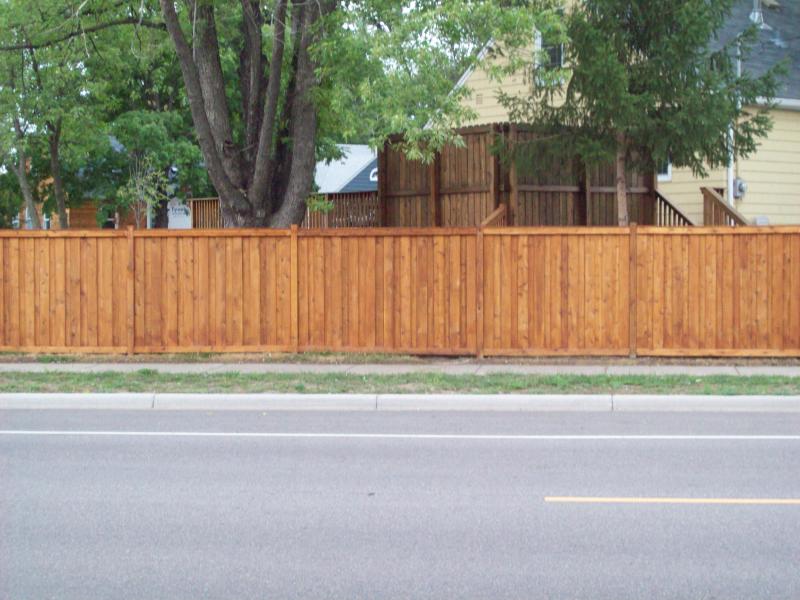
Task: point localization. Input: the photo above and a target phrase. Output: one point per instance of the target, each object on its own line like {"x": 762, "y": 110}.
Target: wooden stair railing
{"x": 206, "y": 213}
{"x": 496, "y": 218}
{"x": 666, "y": 214}
{"x": 718, "y": 212}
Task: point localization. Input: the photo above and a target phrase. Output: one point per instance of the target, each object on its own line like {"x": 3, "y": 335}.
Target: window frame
{"x": 664, "y": 176}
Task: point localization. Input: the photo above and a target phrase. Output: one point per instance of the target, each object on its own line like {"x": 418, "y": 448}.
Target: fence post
{"x": 131, "y": 328}
{"x": 293, "y": 293}
{"x": 587, "y": 196}
{"x": 383, "y": 206}
{"x": 434, "y": 196}
{"x": 632, "y": 290}
{"x": 479, "y": 325}
{"x": 512, "y": 208}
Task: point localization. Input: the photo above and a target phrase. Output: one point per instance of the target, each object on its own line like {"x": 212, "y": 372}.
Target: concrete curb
{"x": 264, "y": 402}
{"x": 495, "y": 402}
{"x": 689, "y": 403}
{"x": 127, "y": 401}
{"x": 446, "y": 368}
{"x": 403, "y": 402}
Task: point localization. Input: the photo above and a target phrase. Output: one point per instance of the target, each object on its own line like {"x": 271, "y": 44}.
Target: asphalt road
{"x": 398, "y": 505}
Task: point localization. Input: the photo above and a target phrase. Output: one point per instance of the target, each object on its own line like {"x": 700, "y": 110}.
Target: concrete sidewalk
{"x": 402, "y": 402}
{"x": 444, "y": 367}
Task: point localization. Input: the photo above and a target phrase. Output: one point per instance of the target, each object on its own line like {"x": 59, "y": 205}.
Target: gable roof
{"x": 334, "y": 176}
{"x": 365, "y": 180}
{"x": 779, "y": 40}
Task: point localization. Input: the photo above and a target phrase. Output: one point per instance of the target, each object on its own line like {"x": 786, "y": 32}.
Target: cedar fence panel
{"x": 718, "y": 291}
{"x": 64, "y": 291}
{"x": 388, "y": 290}
{"x": 551, "y": 293}
{"x": 214, "y": 291}
{"x": 495, "y": 291}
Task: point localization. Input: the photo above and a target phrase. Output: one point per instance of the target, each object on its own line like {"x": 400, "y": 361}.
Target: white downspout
{"x": 731, "y": 154}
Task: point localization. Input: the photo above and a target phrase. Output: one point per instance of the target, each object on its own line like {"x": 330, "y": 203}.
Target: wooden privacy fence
{"x": 486, "y": 291}
{"x": 348, "y": 209}
{"x": 464, "y": 184}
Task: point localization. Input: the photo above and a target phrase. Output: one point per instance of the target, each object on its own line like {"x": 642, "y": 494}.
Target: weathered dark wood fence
{"x": 464, "y": 184}
{"x": 465, "y": 291}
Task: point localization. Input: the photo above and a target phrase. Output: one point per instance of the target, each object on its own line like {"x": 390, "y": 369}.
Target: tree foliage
{"x": 267, "y": 88}
{"x": 645, "y": 81}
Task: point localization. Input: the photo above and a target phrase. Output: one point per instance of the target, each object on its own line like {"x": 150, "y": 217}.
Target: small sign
{"x": 179, "y": 214}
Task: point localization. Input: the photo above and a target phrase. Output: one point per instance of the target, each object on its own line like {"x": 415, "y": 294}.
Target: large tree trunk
{"x": 212, "y": 82}
{"x": 54, "y": 139}
{"x": 235, "y": 206}
{"x": 21, "y": 172}
{"x": 304, "y": 133}
{"x": 621, "y": 182}
{"x": 262, "y": 177}
{"x": 160, "y": 216}
{"x": 258, "y": 179}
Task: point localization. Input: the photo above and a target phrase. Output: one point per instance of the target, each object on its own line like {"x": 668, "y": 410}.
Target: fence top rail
{"x": 387, "y": 231}
{"x": 719, "y": 229}
{"x": 556, "y": 230}
{"x": 231, "y": 232}
{"x": 398, "y": 231}
{"x": 62, "y": 233}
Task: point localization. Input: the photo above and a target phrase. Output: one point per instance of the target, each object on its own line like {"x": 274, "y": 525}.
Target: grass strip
{"x": 149, "y": 380}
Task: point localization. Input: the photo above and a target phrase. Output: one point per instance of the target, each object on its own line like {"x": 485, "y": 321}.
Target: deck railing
{"x": 666, "y": 214}
{"x": 349, "y": 209}
{"x": 497, "y": 218}
{"x": 206, "y": 213}
{"x": 718, "y": 212}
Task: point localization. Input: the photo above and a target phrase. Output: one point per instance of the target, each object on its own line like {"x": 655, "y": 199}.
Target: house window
{"x": 664, "y": 171}
{"x": 552, "y": 55}
{"x": 478, "y": 99}
{"x": 549, "y": 55}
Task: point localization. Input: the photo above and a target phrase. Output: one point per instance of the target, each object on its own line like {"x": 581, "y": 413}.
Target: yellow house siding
{"x": 772, "y": 174}
{"x": 484, "y": 91}
{"x": 683, "y": 190}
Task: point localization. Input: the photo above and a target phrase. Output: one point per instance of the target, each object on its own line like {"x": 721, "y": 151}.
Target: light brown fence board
{"x": 387, "y": 291}
{"x": 651, "y": 291}
{"x": 717, "y": 293}
{"x": 556, "y": 293}
{"x": 61, "y": 293}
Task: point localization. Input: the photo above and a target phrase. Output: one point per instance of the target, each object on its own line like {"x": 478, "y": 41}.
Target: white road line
{"x": 665, "y": 500}
{"x": 397, "y": 436}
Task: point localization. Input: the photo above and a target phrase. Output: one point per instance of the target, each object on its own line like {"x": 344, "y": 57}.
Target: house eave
{"x": 782, "y": 103}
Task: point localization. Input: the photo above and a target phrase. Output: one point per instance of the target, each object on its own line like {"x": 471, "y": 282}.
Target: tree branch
{"x": 263, "y": 162}
{"x": 29, "y": 45}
